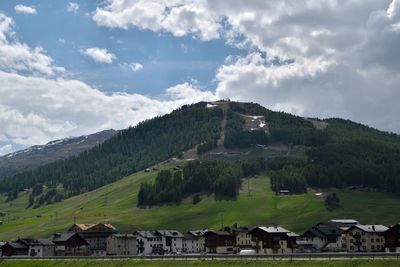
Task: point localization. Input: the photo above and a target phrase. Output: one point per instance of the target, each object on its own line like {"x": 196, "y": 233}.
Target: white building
{"x": 148, "y": 242}
{"x": 172, "y": 241}
{"x": 193, "y": 242}
{"x": 364, "y": 238}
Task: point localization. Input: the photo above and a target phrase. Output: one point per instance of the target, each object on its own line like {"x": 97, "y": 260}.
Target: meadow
{"x": 256, "y": 204}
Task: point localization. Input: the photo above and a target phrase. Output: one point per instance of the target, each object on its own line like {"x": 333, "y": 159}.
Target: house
{"x": 38, "y": 247}
{"x": 219, "y": 242}
{"x": 322, "y": 237}
{"x": 121, "y": 244}
{"x": 1, "y": 244}
{"x": 272, "y": 240}
{"x": 70, "y": 244}
{"x": 172, "y": 240}
{"x": 243, "y": 237}
{"x": 14, "y": 248}
{"x": 284, "y": 192}
{"x": 392, "y": 238}
{"x": 364, "y": 238}
{"x": 193, "y": 241}
{"x": 96, "y": 235}
{"x": 149, "y": 242}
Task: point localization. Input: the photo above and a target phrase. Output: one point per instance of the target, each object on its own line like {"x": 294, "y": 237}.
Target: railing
{"x": 294, "y": 256}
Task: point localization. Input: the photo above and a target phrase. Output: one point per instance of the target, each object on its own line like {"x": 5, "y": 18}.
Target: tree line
{"x": 219, "y": 177}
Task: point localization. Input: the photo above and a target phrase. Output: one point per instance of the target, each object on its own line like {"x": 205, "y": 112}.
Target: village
{"x": 102, "y": 240}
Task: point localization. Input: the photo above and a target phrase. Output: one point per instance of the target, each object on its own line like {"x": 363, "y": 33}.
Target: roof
{"x": 345, "y": 221}
{"x": 61, "y": 237}
{"x": 35, "y": 242}
{"x": 45, "y": 242}
{"x": 198, "y": 233}
{"x": 85, "y": 227}
{"x": 237, "y": 229}
{"x": 220, "y": 233}
{"x": 292, "y": 234}
{"x": 145, "y": 234}
{"x": 272, "y": 229}
{"x": 124, "y": 235}
{"x": 376, "y": 228}
{"x": 16, "y": 245}
{"x": 325, "y": 229}
{"x": 170, "y": 233}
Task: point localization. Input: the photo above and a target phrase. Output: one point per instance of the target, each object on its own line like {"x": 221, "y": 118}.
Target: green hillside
{"x": 116, "y": 203}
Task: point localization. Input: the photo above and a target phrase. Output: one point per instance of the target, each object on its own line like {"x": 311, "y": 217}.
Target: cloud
{"x": 179, "y": 18}
{"x": 134, "y": 66}
{"x": 21, "y": 9}
{"x": 73, "y": 7}
{"x": 36, "y": 108}
{"x": 99, "y": 55}
{"x": 7, "y": 149}
{"x": 313, "y": 58}
{"x": 16, "y": 56}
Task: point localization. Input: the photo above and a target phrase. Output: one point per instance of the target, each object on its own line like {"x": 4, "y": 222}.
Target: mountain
{"x": 36, "y": 156}
{"x": 299, "y": 153}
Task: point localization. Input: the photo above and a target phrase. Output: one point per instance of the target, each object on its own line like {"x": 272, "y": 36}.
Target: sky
{"x": 70, "y": 68}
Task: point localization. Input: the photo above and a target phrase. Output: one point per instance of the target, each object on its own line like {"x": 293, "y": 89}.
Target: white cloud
{"x": 177, "y": 17}
{"x": 314, "y": 58}
{"x": 25, "y": 9}
{"x": 134, "y": 66}
{"x": 16, "y": 56}
{"x": 99, "y": 55}
{"x": 35, "y": 109}
{"x": 7, "y": 149}
{"x": 73, "y": 7}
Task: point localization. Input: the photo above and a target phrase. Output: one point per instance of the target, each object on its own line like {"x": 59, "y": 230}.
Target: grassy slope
{"x": 116, "y": 203}
{"x": 208, "y": 263}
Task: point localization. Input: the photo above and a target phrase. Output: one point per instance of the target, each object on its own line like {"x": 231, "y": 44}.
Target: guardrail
{"x": 294, "y": 256}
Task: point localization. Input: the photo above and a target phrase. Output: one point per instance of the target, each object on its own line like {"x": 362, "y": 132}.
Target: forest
{"x": 131, "y": 150}
{"x": 219, "y": 177}
{"x": 342, "y": 154}
{"x": 345, "y": 154}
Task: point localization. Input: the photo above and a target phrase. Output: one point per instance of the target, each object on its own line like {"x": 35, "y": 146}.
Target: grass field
{"x": 116, "y": 204}
{"x": 198, "y": 263}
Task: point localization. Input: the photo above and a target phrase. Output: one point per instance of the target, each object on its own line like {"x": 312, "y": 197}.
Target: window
{"x": 351, "y": 248}
{"x": 364, "y": 247}
{"x": 372, "y": 247}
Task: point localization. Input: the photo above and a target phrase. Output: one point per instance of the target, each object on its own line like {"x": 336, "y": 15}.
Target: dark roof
{"x": 61, "y": 237}
{"x": 198, "y": 233}
{"x": 325, "y": 230}
{"x": 16, "y": 245}
{"x": 236, "y": 229}
{"x": 170, "y": 233}
{"x": 45, "y": 242}
{"x": 35, "y": 242}
{"x": 220, "y": 233}
{"x": 124, "y": 235}
{"x": 145, "y": 234}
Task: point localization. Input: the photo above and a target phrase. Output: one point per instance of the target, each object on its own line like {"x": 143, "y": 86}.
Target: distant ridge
{"x": 35, "y": 156}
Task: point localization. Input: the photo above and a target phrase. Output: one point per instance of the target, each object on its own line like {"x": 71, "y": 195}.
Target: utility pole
{"x": 248, "y": 186}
